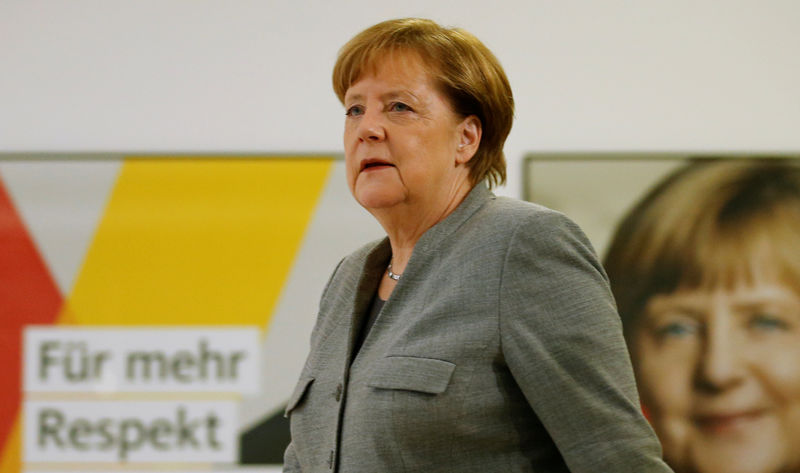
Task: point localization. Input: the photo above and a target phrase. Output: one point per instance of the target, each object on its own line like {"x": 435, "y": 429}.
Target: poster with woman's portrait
{"x": 703, "y": 257}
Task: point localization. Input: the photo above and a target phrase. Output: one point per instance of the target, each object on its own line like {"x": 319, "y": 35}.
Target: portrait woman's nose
{"x": 720, "y": 365}
{"x": 370, "y": 127}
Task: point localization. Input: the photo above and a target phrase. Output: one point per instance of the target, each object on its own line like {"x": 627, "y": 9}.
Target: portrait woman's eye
{"x": 768, "y": 322}
{"x": 354, "y": 110}
{"x": 399, "y": 107}
{"x": 678, "y": 329}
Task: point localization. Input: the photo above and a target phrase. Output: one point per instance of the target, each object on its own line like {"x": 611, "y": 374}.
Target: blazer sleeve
{"x": 562, "y": 341}
{"x": 290, "y": 463}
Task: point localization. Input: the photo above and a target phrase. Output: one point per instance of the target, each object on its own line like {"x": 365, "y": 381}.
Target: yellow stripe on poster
{"x": 197, "y": 241}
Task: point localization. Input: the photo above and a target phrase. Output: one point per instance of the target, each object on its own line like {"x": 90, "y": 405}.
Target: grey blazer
{"x": 500, "y": 350}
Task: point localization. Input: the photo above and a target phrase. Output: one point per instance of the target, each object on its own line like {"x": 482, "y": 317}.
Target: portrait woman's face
{"x": 402, "y": 140}
{"x": 719, "y": 375}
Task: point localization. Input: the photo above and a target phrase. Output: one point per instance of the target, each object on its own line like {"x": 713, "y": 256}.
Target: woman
{"x": 706, "y": 271}
{"x": 480, "y": 335}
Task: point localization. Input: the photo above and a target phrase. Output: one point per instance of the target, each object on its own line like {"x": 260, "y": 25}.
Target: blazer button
{"x": 339, "y": 392}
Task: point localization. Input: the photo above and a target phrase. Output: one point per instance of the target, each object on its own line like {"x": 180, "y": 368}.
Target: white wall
{"x": 200, "y": 75}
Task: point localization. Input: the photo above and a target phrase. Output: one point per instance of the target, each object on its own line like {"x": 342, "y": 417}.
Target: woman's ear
{"x": 469, "y": 139}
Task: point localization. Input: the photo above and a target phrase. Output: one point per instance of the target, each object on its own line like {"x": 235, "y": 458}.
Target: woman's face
{"x": 403, "y": 143}
{"x": 719, "y": 373}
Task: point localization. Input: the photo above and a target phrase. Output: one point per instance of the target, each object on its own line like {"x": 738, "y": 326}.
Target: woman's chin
{"x": 736, "y": 462}
{"x": 737, "y": 452}
{"x": 376, "y": 199}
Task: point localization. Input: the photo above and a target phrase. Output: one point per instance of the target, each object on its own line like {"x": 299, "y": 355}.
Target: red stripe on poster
{"x": 28, "y": 295}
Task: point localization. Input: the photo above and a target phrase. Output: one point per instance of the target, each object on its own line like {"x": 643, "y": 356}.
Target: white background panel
{"x": 253, "y": 75}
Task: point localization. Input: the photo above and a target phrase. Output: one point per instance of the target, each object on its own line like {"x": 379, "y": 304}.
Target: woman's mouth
{"x": 728, "y": 422}
{"x": 374, "y": 165}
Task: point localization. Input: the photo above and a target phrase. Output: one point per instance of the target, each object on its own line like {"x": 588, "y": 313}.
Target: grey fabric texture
{"x": 500, "y": 350}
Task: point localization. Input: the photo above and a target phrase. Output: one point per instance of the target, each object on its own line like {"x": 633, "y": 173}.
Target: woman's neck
{"x": 405, "y": 223}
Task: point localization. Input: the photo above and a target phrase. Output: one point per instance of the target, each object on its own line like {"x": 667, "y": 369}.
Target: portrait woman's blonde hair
{"x": 714, "y": 223}
{"x": 465, "y": 71}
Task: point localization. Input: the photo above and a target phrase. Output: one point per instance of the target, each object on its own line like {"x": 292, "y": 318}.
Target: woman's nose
{"x": 371, "y": 127}
{"x": 720, "y": 365}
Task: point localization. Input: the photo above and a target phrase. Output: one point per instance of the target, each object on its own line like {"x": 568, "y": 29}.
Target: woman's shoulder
{"x": 532, "y": 219}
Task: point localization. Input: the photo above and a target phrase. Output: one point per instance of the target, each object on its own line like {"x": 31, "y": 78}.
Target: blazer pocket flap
{"x": 297, "y": 394}
{"x": 409, "y": 373}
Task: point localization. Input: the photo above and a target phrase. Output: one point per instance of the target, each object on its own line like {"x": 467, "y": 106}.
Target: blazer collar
{"x": 435, "y": 235}
{"x": 379, "y": 253}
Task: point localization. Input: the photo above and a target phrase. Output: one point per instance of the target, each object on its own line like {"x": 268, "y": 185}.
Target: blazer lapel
{"x": 374, "y": 267}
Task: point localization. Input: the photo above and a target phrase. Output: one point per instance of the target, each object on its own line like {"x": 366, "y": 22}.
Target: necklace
{"x": 392, "y": 275}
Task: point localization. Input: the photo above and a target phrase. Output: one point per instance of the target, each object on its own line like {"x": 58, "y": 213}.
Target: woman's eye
{"x": 768, "y": 322}
{"x": 676, "y": 330}
{"x": 399, "y": 107}
{"x": 355, "y": 110}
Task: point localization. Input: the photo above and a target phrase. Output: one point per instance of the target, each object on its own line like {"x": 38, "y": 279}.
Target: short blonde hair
{"x": 466, "y": 72}
{"x": 713, "y": 223}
